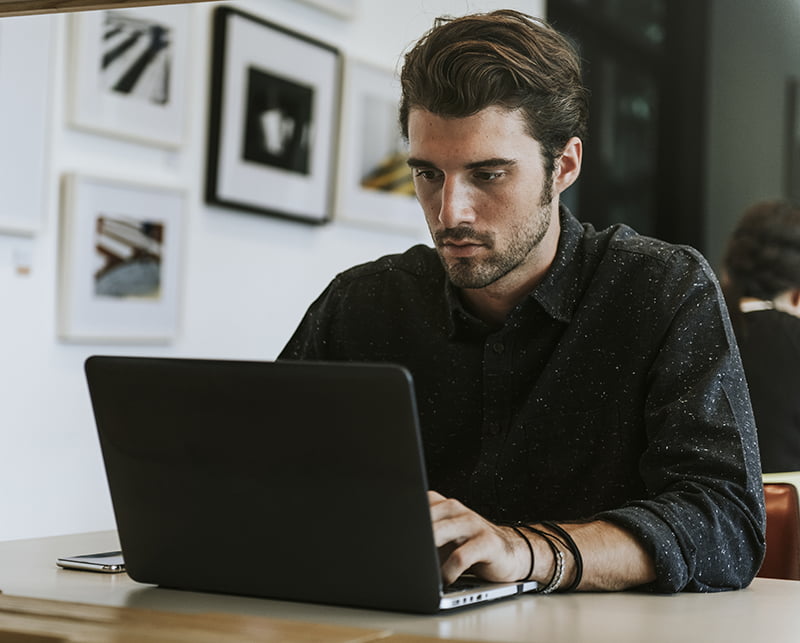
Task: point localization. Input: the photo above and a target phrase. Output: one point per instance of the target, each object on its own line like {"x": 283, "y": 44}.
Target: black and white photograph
{"x": 129, "y": 71}
{"x": 120, "y": 260}
{"x": 136, "y": 57}
{"x": 278, "y": 122}
{"x": 273, "y": 119}
{"x": 375, "y": 186}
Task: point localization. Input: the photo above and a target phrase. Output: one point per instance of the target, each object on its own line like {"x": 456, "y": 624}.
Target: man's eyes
{"x": 486, "y": 176}
{"x": 426, "y": 174}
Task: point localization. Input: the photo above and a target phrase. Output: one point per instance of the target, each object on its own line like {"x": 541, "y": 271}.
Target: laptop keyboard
{"x": 461, "y": 584}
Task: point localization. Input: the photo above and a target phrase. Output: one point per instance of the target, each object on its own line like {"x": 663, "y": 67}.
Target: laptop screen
{"x": 291, "y": 480}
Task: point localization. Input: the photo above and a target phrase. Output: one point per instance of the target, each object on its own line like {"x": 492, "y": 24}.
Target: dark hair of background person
{"x": 762, "y": 258}
{"x": 507, "y": 58}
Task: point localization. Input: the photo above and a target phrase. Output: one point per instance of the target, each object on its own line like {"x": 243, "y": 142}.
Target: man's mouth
{"x": 460, "y": 247}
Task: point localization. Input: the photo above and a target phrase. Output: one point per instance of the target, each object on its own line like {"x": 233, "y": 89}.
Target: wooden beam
{"x": 33, "y": 7}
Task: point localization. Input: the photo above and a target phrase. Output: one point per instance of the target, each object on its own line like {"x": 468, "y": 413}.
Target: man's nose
{"x": 457, "y": 206}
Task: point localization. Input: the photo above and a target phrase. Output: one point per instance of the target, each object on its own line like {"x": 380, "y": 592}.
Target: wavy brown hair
{"x": 506, "y": 58}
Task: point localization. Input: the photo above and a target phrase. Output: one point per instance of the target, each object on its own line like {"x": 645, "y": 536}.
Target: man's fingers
{"x": 453, "y": 522}
{"x": 462, "y": 559}
{"x": 435, "y": 496}
{"x": 468, "y": 542}
{"x": 442, "y": 507}
{"x": 452, "y": 530}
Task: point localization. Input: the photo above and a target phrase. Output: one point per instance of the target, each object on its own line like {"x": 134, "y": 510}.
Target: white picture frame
{"x": 120, "y": 260}
{"x": 273, "y": 119}
{"x": 25, "y": 87}
{"x": 128, "y": 73}
{"x": 374, "y": 185}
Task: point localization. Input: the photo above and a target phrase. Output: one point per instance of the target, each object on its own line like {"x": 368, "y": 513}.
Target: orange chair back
{"x": 782, "y": 559}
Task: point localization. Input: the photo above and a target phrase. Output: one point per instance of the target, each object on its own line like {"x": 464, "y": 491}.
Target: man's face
{"x": 482, "y": 185}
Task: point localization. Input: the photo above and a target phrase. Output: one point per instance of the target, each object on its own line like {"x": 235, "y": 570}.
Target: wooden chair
{"x": 782, "y": 558}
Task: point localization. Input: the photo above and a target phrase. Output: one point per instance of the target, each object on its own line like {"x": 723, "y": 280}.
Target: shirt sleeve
{"x": 703, "y": 520}
{"x": 310, "y": 339}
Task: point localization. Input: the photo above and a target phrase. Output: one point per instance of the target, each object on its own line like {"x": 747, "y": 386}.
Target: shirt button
{"x": 498, "y": 347}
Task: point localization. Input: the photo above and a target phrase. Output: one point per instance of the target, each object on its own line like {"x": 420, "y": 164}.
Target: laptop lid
{"x": 290, "y": 480}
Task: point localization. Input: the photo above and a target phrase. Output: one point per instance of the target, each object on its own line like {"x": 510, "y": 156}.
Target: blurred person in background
{"x": 761, "y": 281}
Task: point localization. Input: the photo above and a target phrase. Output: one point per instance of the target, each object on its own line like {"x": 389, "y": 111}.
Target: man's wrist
{"x": 558, "y": 561}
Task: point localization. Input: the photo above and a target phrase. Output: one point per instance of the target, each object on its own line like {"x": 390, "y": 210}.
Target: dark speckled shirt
{"x": 614, "y": 390}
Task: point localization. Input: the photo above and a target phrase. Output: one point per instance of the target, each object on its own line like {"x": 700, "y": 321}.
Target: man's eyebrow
{"x": 496, "y": 162}
{"x": 493, "y": 162}
{"x": 415, "y": 162}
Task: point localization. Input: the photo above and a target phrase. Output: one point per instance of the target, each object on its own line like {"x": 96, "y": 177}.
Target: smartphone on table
{"x": 109, "y": 562}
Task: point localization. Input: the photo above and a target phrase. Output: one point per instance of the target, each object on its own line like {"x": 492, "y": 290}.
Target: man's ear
{"x": 568, "y": 165}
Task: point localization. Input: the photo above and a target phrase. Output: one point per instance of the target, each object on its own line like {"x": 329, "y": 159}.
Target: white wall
{"x": 247, "y": 278}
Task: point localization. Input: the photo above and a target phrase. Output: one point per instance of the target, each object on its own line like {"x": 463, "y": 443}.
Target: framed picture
{"x": 793, "y": 140}
{"x": 375, "y": 185}
{"x": 128, "y": 73}
{"x": 25, "y": 63}
{"x": 273, "y": 118}
{"x": 120, "y": 260}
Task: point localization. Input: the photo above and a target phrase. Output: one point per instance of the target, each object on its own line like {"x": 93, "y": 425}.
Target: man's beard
{"x": 473, "y": 272}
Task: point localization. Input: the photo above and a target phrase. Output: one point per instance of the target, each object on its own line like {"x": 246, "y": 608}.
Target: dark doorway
{"x": 644, "y": 159}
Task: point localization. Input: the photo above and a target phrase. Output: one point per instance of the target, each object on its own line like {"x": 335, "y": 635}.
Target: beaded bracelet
{"x": 576, "y": 553}
{"x": 530, "y": 549}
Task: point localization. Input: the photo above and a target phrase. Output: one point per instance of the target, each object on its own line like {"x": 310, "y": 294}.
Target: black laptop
{"x": 289, "y": 480}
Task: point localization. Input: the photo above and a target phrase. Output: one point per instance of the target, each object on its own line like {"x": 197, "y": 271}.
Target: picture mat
{"x": 95, "y": 108}
{"x": 252, "y": 44}
{"x": 25, "y": 81}
{"x": 85, "y": 316}
{"x": 365, "y": 84}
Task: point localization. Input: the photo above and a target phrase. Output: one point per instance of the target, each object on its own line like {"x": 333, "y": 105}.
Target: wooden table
{"x": 37, "y": 620}
{"x": 769, "y": 610}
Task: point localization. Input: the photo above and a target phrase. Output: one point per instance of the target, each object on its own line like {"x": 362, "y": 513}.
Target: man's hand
{"x": 469, "y": 542}
{"x": 612, "y": 558}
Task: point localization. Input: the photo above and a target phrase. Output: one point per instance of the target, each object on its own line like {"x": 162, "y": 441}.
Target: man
{"x": 583, "y": 408}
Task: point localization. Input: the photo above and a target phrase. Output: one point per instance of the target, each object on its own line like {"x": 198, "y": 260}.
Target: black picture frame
{"x": 273, "y": 119}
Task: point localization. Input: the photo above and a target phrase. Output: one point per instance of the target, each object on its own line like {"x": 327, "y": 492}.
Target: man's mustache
{"x": 462, "y": 233}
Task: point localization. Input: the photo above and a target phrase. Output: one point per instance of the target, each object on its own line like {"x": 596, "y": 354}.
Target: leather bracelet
{"x": 530, "y": 549}
{"x": 573, "y": 548}
{"x": 558, "y": 556}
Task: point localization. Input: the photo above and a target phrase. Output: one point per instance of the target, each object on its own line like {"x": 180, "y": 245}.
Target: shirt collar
{"x": 557, "y": 293}
{"x": 460, "y": 322}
